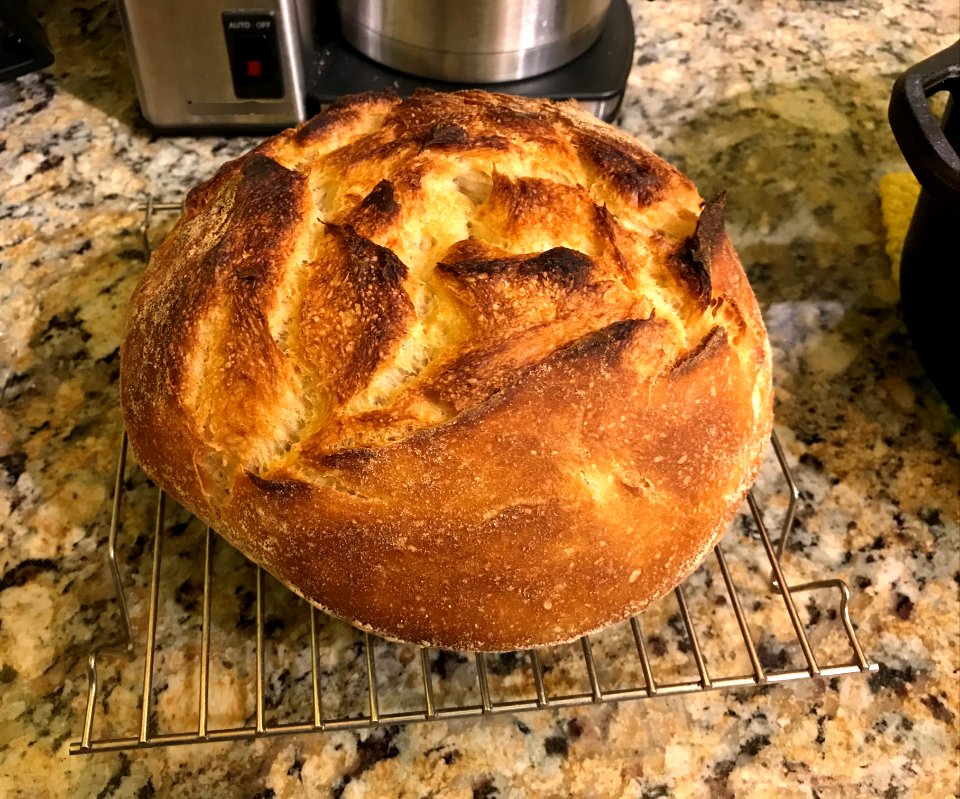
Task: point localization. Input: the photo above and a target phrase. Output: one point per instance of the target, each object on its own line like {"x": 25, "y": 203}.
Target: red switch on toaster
{"x": 252, "y": 48}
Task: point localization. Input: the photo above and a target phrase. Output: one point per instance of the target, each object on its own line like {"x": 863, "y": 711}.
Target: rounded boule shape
{"x": 468, "y": 370}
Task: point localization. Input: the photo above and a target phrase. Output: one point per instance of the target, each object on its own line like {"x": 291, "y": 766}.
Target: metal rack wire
{"x": 317, "y": 719}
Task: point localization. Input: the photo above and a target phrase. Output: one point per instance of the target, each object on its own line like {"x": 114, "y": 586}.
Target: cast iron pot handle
{"x": 918, "y": 132}
{"x": 24, "y": 46}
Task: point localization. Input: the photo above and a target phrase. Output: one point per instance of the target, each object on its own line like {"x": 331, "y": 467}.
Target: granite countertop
{"x": 780, "y": 104}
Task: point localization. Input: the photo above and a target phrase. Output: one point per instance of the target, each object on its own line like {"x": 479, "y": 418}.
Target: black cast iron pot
{"x": 930, "y": 266}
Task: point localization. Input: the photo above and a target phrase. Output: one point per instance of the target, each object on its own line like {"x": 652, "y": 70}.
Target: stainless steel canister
{"x": 472, "y": 41}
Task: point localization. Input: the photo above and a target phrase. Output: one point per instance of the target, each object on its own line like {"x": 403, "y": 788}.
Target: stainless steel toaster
{"x": 220, "y": 63}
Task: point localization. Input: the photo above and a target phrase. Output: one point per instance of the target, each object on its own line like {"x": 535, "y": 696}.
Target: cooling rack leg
{"x": 260, "y": 719}
{"x": 427, "y": 686}
{"x": 644, "y": 659}
{"x": 535, "y": 664}
{"x": 371, "y": 678}
{"x": 862, "y": 661}
{"x": 145, "y": 225}
{"x": 814, "y": 669}
{"x": 694, "y": 640}
{"x": 152, "y": 621}
{"x": 315, "y": 671}
{"x": 860, "y": 658}
{"x": 787, "y": 527}
{"x": 93, "y": 685}
{"x": 112, "y": 546}
{"x": 758, "y": 672}
{"x": 126, "y": 649}
{"x": 595, "y": 692}
{"x": 484, "y": 684}
{"x": 205, "y": 635}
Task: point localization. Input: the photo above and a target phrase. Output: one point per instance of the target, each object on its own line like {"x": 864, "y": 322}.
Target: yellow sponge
{"x": 898, "y": 197}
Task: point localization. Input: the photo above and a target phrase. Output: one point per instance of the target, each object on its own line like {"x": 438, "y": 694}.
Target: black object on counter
{"x": 23, "y": 45}
{"x": 930, "y": 264}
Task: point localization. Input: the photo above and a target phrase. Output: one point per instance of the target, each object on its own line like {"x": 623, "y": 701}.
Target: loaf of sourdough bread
{"x": 468, "y": 370}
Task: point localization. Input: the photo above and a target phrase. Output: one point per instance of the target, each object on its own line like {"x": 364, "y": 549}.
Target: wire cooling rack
{"x": 337, "y": 665}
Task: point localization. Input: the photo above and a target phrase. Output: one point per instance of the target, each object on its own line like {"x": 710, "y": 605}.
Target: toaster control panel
{"x": 254, "y": 55}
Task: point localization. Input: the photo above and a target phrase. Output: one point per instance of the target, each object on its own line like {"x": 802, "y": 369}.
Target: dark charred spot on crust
{"x": 420, "y": 115}
{"x": 266, "y": 191}
{"x": 250, "y": 270}
{"x": 450, "y": 136}
{"x": 347, "y": 108}
{"x": 346, "y": 460}
{"x": 284, "y": 488}
{"x": 368, "y": 260}
{"x": 708, "y": 236}
{"x": 692, "y": 262}
{"x": 529, "y": 124}
{"x": 610, "y": 338}
{"x": 712, "y": 343}
{"x": 632, "y": 172}
{"x": 526, "y": 195}
{"x": 604, "y": 220}
{"x": 561, "y": 266}
{"x": 693, "y": 275}
{"x": 381, "y": 198}
{"x": 445, "y": 134}
{"x": 629, "y": 487}
{"x": 489, "y": 142}
{"x": 569, "y": 268}
{"x": 442, "y": 120}
{"x": 260, "y": 169}
{"x": 315, "y": 128}
{"x": 200, "y": 195}
{"x": 255, "y": 208}
{"x": 268, "y": 195}
{"x": 267, "y": 204}
{"x": 377, "y": 211}
{"x": 364, "y": 304}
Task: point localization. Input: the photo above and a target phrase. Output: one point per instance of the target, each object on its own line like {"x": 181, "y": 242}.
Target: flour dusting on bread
{"x": 466, "y": 369}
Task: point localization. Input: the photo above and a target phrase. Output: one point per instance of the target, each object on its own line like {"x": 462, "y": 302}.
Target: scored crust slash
{"x": 468, "y": 370}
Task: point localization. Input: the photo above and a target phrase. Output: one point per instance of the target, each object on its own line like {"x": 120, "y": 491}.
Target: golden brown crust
{"x": 470, "y": 370}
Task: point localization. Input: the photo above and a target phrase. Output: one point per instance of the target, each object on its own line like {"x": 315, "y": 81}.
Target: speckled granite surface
{"x": 783, "y": 105}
